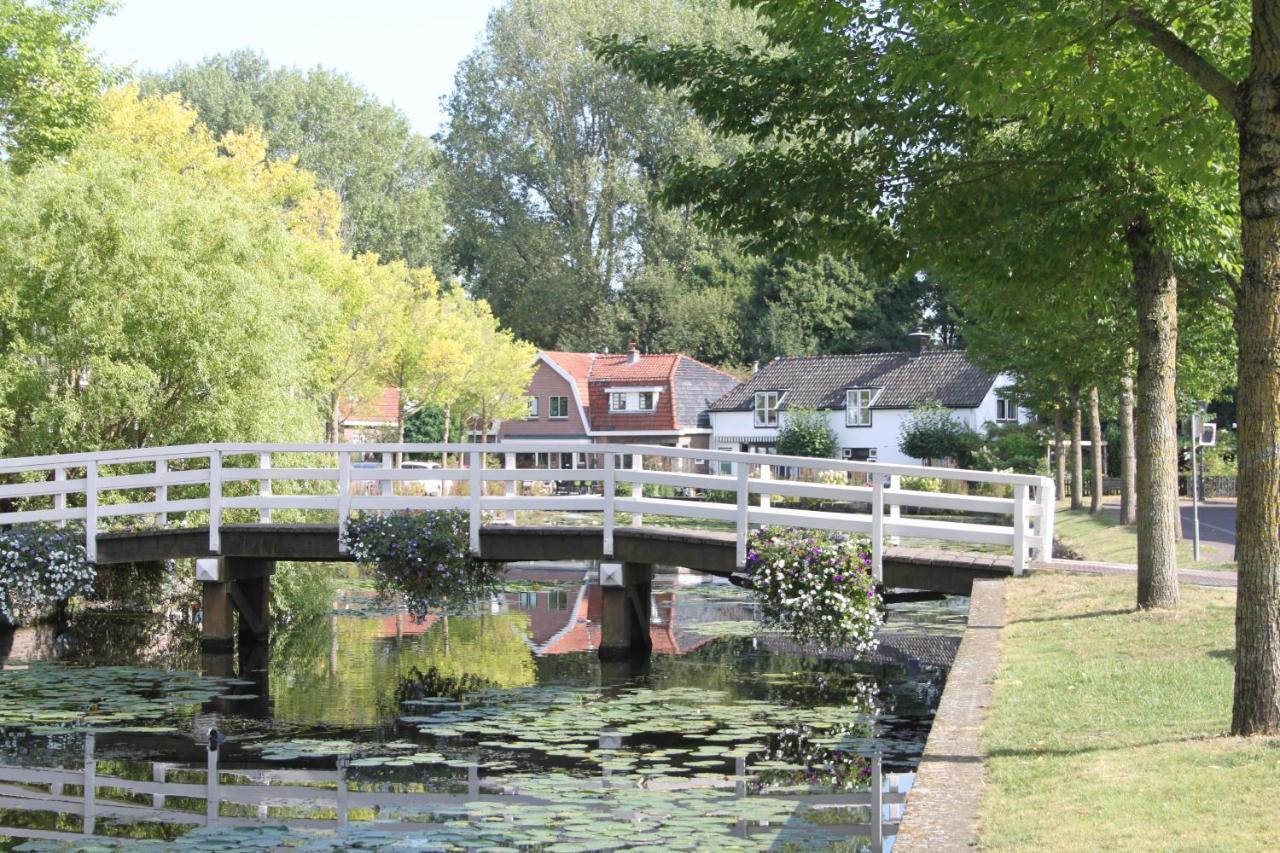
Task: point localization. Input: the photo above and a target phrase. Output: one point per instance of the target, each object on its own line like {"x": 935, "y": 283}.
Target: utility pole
{"x": 1195, "y": 483}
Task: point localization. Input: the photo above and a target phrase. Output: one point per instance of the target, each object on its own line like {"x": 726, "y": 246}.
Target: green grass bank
{"x": 1108, "y": 726}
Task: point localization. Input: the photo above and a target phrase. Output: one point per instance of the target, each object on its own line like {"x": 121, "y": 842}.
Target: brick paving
{"x": 942, "y": 808}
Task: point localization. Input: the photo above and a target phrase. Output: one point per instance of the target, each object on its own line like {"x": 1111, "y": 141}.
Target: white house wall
{"x": 883, "y": 434}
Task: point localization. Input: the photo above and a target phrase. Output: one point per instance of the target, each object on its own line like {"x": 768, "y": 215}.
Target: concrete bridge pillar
{"x": 625, "y": 611}
{"x": 230, "y": 586}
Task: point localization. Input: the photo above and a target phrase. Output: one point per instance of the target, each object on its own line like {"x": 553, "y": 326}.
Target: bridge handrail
{"x": 739, "y": 474}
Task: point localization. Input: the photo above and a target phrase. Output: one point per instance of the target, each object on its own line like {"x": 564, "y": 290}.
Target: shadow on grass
{"x": 1223, "y": 654}
{"x": 1093, "y": 614}
{"x": 1068, "y": 752}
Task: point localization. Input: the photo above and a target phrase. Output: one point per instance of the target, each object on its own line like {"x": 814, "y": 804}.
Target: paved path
{"x": 942, "y": 808}
{"x": 1199, "y": 577}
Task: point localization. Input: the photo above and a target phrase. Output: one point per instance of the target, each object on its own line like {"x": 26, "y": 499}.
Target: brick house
{"x": 633, "y": 397}
{"x": 373, "y": 419}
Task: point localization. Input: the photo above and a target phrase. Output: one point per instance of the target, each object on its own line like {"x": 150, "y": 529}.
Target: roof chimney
{"x": 755, "y": 367}
{"x": 918, "y": 341}
{"x": 634, "y": 356}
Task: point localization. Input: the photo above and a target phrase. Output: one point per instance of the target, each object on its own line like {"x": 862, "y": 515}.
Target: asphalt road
{"x": 1217, "y": 523}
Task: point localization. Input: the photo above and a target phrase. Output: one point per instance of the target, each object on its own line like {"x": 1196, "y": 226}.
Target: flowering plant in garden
{"x": 425, "y": 557}
{"x": 815, "y": 586}
{"x": 40, "y": 566}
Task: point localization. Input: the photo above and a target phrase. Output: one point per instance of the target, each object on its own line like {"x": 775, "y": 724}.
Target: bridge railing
{"x": 201, "y": 483}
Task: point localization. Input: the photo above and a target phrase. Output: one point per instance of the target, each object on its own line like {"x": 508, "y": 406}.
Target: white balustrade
{"x": 239, "y": 479}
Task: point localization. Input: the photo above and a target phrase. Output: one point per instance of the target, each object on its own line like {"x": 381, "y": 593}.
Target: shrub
{"x": 425, "y": 557}
{"x": 806, "y": 432}
{"x": 816, "y": 586}
{"x": 1017, "y": 448}
{"x": 922, "y": 484}
{"x": 931, "y": 432}
{"x": 40, "y": 566}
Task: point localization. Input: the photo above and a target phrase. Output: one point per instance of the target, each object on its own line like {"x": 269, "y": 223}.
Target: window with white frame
{"x": 857, "y": 407}
{"x": 558, "y": 406}
{"x": 533, "y": 409}
{"x": 858, "y": 454}
{"x": 617, "y": 402}
{"x": 766, "y": 408}
{"x": 633, "y": 399}
{"x": 1006, "y": 409}
{"x": 645, "y": 401}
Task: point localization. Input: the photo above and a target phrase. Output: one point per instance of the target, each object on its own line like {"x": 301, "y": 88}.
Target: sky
{"x": 403, "y": 51}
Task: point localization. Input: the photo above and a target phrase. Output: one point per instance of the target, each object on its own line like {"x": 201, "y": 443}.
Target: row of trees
{"x": 1075, "y": 170}
{"x": 163, "y": 283}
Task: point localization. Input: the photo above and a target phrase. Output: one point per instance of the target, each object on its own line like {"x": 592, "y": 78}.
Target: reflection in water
{"x": 723, "y": 737}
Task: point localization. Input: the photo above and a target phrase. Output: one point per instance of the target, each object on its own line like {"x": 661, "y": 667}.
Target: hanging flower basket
{"x": 40, "y": 566}
{"x": 424, "y": 558}
{"x": 817, "y": 587}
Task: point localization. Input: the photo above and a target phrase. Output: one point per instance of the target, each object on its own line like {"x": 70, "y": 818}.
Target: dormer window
{"x": 625, "y": 400}
{"x": 532, "y": 414}
{"x": 857, "y": 403}
{"x": 766, "y": 408}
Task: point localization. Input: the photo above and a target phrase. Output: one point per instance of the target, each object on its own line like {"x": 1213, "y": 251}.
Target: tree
{"x": 145, "y": 303}
{"x": 933, "y": 433}
{"x": 385, "y": 174}
{"x": 49, "y": 79}
{"x": 806, "y": 432}
{"x": 551, "y": 159}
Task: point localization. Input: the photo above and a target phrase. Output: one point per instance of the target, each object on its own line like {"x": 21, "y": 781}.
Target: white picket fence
{"x": 324, "y": 799}
{"x": 93, "y": 489}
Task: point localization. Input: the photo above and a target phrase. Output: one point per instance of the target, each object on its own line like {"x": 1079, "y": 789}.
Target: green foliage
{"x": 1220, "y": 459}
{"x": 300, "y": 591}
{"x": 386, "y": 175}
{"x": 427, "y": 425}
{"x": 933, "y": 433}
{"x": 1012, "y": 447}
{"x": 806, "y": 432}
{"x": 425, "y": 558}
{"x": 49, "y": 79}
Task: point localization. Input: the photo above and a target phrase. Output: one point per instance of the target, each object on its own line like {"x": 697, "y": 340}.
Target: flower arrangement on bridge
{"x": 40, "y": 566}
{"x": 817, "y": 587}
{"x": 424, "y": 557}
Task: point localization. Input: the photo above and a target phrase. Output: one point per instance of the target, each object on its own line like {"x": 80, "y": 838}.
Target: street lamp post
{"x": 1200, "y": 409}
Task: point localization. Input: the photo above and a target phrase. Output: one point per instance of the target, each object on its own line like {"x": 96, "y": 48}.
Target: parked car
{"x": 430, "y": 488}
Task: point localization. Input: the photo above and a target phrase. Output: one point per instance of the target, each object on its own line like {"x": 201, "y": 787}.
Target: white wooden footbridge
{"x": 214, "y": 487}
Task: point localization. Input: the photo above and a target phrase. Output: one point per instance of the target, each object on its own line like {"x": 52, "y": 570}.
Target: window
{"x": 542, "y": 460}
{"x": 566, "y": 460}
{"x": 617, "y": 402}
{"x": 557, "y": 599}
{"x": 857, "y": 412}
{"x": 766, "y": 408}
{"x": 646, "y": 401}
{"x": 1006, "y": 411}
{"x": 858, "y": 454}
{"x": 558, "y": 406}
{"x": 533, "y": 409}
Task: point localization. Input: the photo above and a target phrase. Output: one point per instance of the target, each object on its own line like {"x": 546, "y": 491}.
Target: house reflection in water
{"x": 564, "y": 615}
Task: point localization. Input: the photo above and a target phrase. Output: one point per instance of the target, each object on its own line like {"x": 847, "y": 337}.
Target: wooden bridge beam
{"x": 243, "y": 587}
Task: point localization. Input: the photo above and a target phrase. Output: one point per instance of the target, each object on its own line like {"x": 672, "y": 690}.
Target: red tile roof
{"x": 381, "y": 409}
{"x": 650, "y": 367}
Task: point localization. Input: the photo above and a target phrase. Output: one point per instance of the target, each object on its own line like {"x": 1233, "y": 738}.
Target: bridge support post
{"x": 217, "y": 624}
{"x": 625, "y": 612}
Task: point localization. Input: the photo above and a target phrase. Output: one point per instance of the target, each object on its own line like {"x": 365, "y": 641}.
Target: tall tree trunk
{"x": 1156, "y": 293}
{"x": 1095, "y": 455}
{"x": 1060, "y": 452}
{"x": 1077, "y": 453}
{"x": 333, "y": 429}
{"x": 1256, "y": 709}
{"x": 1128, "y": 455}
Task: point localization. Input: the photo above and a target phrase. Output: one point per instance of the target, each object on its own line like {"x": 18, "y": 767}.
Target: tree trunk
{"x": 333, "y": 428}
{"x": 1156, "y": 293}
{"x": 1256, "y": 709}
{"x": 1060, "y": 452}
{"x": 1077, "y": 454}
{"x": 1095, "y": 456}
{"x": 1128, "y": 456}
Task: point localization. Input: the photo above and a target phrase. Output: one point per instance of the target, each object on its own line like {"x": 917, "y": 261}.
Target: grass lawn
{"x": 1103, "y": 538}
{"x": 1107, "y": 728}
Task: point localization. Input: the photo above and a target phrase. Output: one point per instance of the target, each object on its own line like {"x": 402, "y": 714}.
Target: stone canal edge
{"x": 942, "y": 807}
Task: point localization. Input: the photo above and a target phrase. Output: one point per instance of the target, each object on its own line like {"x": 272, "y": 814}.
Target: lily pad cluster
{"x": 40, "y": 566}
{"x": 424, "y": 557}
{"x": 816, "y": 586}
{"x": 54, "y": 698}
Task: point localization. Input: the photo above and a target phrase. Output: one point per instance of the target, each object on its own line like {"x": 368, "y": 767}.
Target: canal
{"x": 495, "y": 728}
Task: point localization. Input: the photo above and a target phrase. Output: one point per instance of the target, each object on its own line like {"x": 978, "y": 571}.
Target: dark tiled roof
{"x": 819, "y": 382}
{"x": 698, "y": 386}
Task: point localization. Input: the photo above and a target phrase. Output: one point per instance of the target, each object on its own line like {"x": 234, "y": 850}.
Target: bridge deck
{"x": 705, "y": 551}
